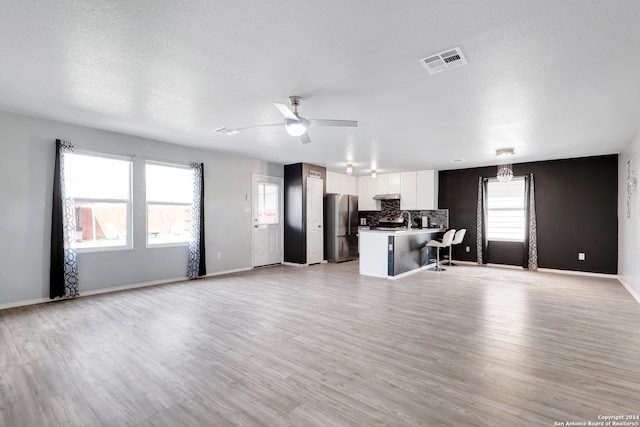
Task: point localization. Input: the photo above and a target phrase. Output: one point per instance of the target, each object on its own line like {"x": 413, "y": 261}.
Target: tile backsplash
{"x": 391, "y": 208}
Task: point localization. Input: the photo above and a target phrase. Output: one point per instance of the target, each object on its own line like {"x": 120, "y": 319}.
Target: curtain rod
{"x": 116, "y": 153}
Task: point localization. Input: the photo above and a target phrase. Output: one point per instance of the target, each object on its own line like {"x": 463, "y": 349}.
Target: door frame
{"x": 323, "y": 257}
{"x": 254, "y": 177}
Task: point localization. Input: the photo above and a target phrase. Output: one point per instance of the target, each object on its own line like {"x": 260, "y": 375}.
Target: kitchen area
{"x": 396, "y": 216}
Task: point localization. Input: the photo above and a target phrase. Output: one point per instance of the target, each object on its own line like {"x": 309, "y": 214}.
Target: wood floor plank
{"x": 324, "y": 346}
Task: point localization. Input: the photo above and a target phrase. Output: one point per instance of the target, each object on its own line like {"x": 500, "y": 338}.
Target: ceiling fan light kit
{"x": 296, "y": 127}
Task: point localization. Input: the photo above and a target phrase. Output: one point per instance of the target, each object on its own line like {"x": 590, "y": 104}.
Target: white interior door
{"x": 267, "y": 220}
{"x": 315, "y": 232}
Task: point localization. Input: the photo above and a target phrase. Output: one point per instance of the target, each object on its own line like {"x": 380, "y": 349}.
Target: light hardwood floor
{"x": 323, "y": 346}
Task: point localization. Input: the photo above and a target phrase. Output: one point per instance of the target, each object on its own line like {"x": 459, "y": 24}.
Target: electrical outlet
{"x": 219, "y": 255}
{"x": 468, "y": 249}
{"x": 581, "y": 256}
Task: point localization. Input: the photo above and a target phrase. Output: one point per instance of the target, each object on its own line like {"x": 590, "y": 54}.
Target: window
{"x": 100, "y": 186}
{"x": 268, "y": 203}
{"x": 169, "y": 197}
{"x": 506, "y": 210}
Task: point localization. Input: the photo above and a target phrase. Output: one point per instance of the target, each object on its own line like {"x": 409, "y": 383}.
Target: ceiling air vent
{"x": 226, "y": 131}
{"x": 444, "y": 61}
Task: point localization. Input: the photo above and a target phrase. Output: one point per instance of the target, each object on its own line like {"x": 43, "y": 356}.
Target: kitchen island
{"x": 392, "y": 254}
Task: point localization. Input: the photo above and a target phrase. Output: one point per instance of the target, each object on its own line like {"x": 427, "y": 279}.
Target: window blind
{"x": 506, "y": 210}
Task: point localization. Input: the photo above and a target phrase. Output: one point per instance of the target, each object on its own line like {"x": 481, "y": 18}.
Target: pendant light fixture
{"x": 505, "y": 168}
{"x": 349, "y": 169}
{"x": 373, "y": 173}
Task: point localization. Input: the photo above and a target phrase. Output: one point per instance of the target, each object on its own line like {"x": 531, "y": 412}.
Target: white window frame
{"x": 494, "y": 181}
{"x": 278, "y": 212}
{"x": 147, "y": 203}
{"x": 76, "y": 200}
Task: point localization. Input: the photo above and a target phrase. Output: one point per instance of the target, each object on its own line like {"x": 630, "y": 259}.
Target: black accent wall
{"x": 295, "y": 209}
{"x": 576, "y": 208}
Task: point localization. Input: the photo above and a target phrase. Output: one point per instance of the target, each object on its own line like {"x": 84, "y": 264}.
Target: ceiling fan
{"x": 294, "y": 124}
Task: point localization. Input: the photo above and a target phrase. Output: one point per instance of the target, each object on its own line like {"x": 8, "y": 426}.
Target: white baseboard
{"x": 293, "y": 264}
{"x": 410, "y": 272}
{"x": 512, "y": 267}
{"x": 24, "y": 302}
{"x": 544, "y": 270}
{"x": 405, "y": 274}
{"x": 115, "y": 289}
{"x": 579, "y": 273}
{"x": 130, "y": 286}
{"x": 464, "y": 262}
{"x": 235, "y": 270}
{"x": 633, "y": 293}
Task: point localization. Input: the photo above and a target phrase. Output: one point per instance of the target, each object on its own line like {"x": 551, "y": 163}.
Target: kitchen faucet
{"x": 408, "y": 218}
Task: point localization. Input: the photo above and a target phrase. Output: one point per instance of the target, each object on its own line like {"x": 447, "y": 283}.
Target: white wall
{"x": 629, "y": 228}
{"x": 27, "y": 147}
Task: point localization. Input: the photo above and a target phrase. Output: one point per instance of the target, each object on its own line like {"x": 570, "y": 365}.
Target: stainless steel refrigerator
{"x": 341, "y": 230}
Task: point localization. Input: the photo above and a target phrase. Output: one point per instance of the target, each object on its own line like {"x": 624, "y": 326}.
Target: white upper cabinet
{"x": 381, "y": 183}
{"x": 332, "y": 182}
{"x": 352, "y": 185}
{"x": 419, "y": 190}
{"x": 395, "y": 183}
{"x": 366, "y": 190}
{"x": 342, "y": 184}
{"x": 388, "y": 183}
{"x": 408, "y": 191}
{"x": 427, "y": 190}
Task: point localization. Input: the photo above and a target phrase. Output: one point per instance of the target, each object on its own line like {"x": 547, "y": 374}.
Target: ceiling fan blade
{"x": 341, "y": 123}
{"x": 230, "y": 131}
{"x": 260, "y": 126}
{"x": 286, "y": 112}
{"x": 305, "y": 138}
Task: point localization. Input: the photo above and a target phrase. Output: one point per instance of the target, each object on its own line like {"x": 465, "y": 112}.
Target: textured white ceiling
{"x": 553, "y": 79}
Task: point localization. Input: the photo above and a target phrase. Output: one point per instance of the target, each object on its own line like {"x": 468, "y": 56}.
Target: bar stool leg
{"x": 450, "y": 262}
{"x": 437, "y": 267}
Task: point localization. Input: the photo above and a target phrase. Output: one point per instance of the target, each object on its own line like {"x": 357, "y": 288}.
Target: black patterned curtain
{"x": 530, "y": 253}
{"x": 482, "y": 244}
{"x": 196, "y": 264}
{"x": 63, "y": 273}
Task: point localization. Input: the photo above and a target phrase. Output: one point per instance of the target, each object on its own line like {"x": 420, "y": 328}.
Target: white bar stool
{"x": 457, "y": 239}
{"x": 446, "y": 241}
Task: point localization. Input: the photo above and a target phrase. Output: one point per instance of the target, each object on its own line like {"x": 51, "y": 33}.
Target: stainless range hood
{"x": 392, "y": 196}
